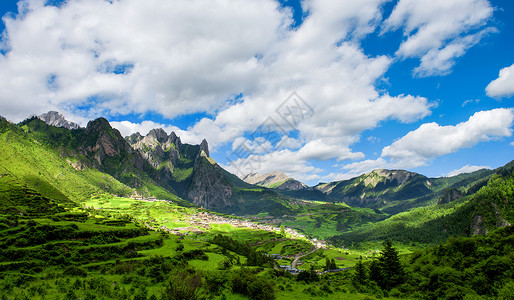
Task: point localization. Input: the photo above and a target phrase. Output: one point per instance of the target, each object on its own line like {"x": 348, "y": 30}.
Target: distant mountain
{"x": 57, "y": 119}
{"x": 394, "y": 191}
{"x": 377, "y": 188}
{"x": 469, "y": 204}
{"x": 277, "y": 180}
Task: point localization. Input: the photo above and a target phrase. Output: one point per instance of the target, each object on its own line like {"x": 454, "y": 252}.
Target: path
{"x": 295, "y": 261}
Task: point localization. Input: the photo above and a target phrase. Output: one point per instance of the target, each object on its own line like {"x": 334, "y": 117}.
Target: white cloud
{"x": 285, "y": 161}
{"x": 187, "y": 56}
{"x": 127, "y": 128}
{"x": 438, "y": 31}
{"x": 470, "y": 101}
{"x": 431, "y": 140}
{"x": 191, "y": 56}
{"x": 466, "y": 169}
{"x": 503, "y": 86}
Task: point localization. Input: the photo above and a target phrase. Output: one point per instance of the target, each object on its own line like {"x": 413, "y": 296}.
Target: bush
{"x": 74, "y": 271}
{"x": 183, "y": 285}
{"x": 247, "y": 284}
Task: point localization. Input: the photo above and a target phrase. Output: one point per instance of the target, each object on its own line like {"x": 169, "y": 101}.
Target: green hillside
{"x": 478, "y": 213}
{"x": 28, "y": 165}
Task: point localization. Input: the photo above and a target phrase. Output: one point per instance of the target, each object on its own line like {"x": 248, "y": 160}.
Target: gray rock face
{"x": 450, "y": 195}
{"x": 204, "y": 147}
{"x": 208, "y": 187}
{"x": 157, "y": 148}
{"x": 107, "y": 142}
{"x": 57, "y": 119}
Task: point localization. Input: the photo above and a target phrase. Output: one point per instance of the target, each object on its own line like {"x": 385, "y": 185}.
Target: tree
{"x": 390, "y": 268}
{"x": 360, "y": 277}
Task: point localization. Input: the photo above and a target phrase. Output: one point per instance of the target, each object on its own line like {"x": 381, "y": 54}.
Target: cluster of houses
{"x": 205, "y": 220}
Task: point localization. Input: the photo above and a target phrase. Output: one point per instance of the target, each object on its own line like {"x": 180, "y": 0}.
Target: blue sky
{"x": 321, "y": 90}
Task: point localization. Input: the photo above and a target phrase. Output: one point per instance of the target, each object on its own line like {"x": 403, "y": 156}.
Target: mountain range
{"x": 51, "y": 158}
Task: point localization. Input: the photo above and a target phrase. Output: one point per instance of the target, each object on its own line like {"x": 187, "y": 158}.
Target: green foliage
{"x": 308, "y": 276}
{"x": 244, "y": 282}
{"x": 183, "y": 285}
{"x": 391, "y": 273}
{"x": 254, "y": 258}
{"x": 464, "y": 266}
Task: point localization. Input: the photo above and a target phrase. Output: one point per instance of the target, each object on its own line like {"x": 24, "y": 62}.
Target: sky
{"x": 321, "y": 90}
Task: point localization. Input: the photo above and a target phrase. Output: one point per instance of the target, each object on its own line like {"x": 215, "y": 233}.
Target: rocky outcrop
{"x": 188, "y": 168}
{"x": 204, "y": 147}
{"x": 450, "y": 195}
{"x": 157, "y": 147}
{"x": 209, "y": 188}
{"x": 101, "y": 141}
{"x": 57, "y": 119}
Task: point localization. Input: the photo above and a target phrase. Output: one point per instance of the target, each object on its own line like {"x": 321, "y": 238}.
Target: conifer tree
{"x": 391, "y": 270}
{"x": 360, "y": 277}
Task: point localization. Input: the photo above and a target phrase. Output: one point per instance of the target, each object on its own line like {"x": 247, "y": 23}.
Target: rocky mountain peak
{"x": 99, "y": 124}
{"x": 400, "y": 176}
{"x": 159, "y": 134}
{"x": 204, "y": 147}
{"x": 134, "y": 138}
{"x": 56, "y": 119}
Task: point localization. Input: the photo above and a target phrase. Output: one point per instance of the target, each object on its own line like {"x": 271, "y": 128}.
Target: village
{"x": 205, "y": 219}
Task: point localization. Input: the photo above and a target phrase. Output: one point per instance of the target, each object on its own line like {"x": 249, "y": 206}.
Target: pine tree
{"x": 360, "y": 277}
{"x": 333, "y": 265}
{"x": 391, "y": 270}
{"x": 375, "y": 273}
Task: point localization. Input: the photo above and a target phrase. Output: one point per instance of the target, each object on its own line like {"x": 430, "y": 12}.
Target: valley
{"x": 86, "y": 213}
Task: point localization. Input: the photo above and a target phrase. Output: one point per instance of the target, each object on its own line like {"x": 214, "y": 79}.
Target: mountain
{"x": 277, "y": 180}
{"x": 187, "y": 168}
{"x": 195, "y": 176}
{"x": 395, "y": 191}
{"x": 57, "y": 119}
{"x": 377, "y": 188}
{"x": 35, "y": 179}
{"x": 100, "y": 147}
{"x": 469, "y": 204}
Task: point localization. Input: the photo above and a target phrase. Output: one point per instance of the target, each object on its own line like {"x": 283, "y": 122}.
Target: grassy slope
{"x": 28, "y": 164}
{"x": 419, "y": 191}
{"x": 435, "y": 223}
{"x": 120, "y": 169}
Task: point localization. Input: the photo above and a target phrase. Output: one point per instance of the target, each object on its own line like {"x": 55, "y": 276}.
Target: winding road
{"x": 298, "y": 256}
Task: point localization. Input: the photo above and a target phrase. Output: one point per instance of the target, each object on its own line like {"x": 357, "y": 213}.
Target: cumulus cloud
{"x": 131, "y": 56}
{"x": 432, "y": 140}
{"x": 438, "y": 31}
{"x": 103, "y": 58}
{"x": 466, "y": 169}
{"x": 285, "y": 161}
{"x": 503, "y": 86}
{"x": 127, "y": 128}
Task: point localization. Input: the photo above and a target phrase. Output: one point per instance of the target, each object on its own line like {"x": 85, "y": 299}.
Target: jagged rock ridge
{"x": 56, "y": 119}
{"x": 188, "y": 168}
